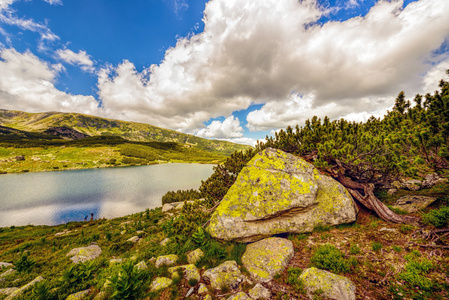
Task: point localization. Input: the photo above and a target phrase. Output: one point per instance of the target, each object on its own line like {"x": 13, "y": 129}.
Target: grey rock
{"x": 239, "y": 296}
{"x": 225, "y": 276}
{"x": 101, "y": 296}
{"x": 24, "y": 288}
{"x": 202, "y": 289}
{"x": 190, "y": 292}
{"x": 275, "y": 193}
{"x": 392, "y": 191}
{"x": 79, "y": 296}
{"x": 5, "y": 265}
{"x": 83, "y": 254}
{"x": 267, "y": 258}
{"x": 190, "y": 272}
{"x": 8, "y": 291}
{"x": 333, "y": 286}
{"x": 166, "y": 260}
{"x": 259, "y": 292}
{"x": 7, "y": 273}
{"x": 164, "y": 242}
{"x": 195, "y": 256}
{"x": 141, "y": 266}
{"x": 133, "y": 239}
{"x": 160, "y": 283}
{"x": 412, "y": 203}
{"x": 412, "y": 185}
{"x": 167, "y": 207}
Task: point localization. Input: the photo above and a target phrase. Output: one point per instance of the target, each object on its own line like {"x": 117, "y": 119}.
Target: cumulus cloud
{"x": 27, "y": 83}
{"x": 81, "y": 59}
{"x": 229, "y": 128}
{"x": 268, "y": 52}
{"x": 54, "y": 2}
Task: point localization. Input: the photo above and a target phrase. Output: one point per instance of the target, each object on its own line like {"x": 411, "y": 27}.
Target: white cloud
{"x": 261, "y": 52}
{"x": 81, "y": 59}
{"x": 54, "y": 2}
{"x": 26, "y": 83}
{"x": 229, "y": 128}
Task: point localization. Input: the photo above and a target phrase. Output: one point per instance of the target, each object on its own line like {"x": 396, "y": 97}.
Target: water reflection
{"x": 58, "y": 197}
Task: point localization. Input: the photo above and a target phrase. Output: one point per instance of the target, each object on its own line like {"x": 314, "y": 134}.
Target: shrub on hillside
{"x": 181, "y": 195}
{"x": 437, "y": 217}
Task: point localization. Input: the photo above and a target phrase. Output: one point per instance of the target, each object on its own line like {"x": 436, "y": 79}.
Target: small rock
{"x": 388, "y": 229}
{"x": 101, "y": 296}
{"x": 433, "y": 179}
{"x": 160, "y": 283}
{"x": 166, "y": 260}
{"x": 115, "y": 261}
{"x": 133, "y": 239}
{"x": 24, "y": 288}
{"x": 5, "y": 265}
{"x": 190, "y": 292}
{"x": 227, "y": 276}
{"x": 8, "y": 273}
{"x": 8, "y": 291}
{"x": 152, "y": 260}
{"x": 190, "y": 272}
{"x": 180, "y": 206}
{"x": 239, "y": 296}
{"x": 207, "y": 297}
{"x": 267, "y": 258}
{"x": 164, "y": 242}
{"x": 123, "y": 232}
{"x": 412, "y": 185}
{"x": 333, "y": 286}
{"x": 167, "y": 207}
{"x": 79, "y": 296}
{"x": 259, "y": 292}
{"x": 141, "y": 266}
{"x": 84, "y": 254}
{"x": 412, "y": 204}
{"x": 62, "y": 233}
{"x": 202, "y": 289}
{"x": 195, "y": 256}
{"x": 392, "y": 191}
{"x": 139, "y": 232}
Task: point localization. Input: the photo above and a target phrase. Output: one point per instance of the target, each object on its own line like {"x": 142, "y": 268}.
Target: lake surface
{"x": 51, "y": 198}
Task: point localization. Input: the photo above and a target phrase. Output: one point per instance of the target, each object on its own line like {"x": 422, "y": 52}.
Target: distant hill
{"x": 59, "y": 124}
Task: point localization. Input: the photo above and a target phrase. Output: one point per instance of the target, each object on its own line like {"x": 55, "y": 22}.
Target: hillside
{"x": 96, "y": 126}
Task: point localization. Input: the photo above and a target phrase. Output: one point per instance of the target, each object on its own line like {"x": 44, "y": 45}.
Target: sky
{"x": 236, "y": 70}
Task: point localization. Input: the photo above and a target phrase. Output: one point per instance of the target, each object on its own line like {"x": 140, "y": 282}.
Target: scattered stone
{"x": 388, "y": 229}
{"x": 123, "y": 232}
{"x": 433, "y": 179}
{"x": 8, "y": 291}
{"x": 139, "y": 232}
{"x": 133, "y": 239}
{"x": 141, "y": 266}
{"x": 152, "y": 260}
{"x": 412, "y": 204}
{"x": 125, "y": 223}
{"x": 207, "y": 297}
{"x": 180, "y": 206}
{"x": 333, "y": 286}
{"x": 24, "y": 288}
{"x": 239, "y": 296}
{"x": 267, "y": 258}
{"x": 190, "y": 292}
{"x": 190, "y": 272}
{"x": 160, "y": 283}
{"x": 115, "y": 261}
{"x": 225, "y": 276}
{"x": 8, "y": 273}
{"x": 412, "y": 185}
{"x": 166, "y": 260}
{"x": 303, "y": 198}
{"x": 259, "y": 292}
{"x": 65, "y": 232}
{"x": 164, "y": 242}
{"x": 195, "y": 256}
{"x": 79, "y": 296}
{"x": 392, "y": 191}
{"x": 5, "y": 265}
{"x": 83, "y": 254}
{"x": 101, "y": 296}
{"x": 167, "y": 207}
{"x": 202, "y": 289}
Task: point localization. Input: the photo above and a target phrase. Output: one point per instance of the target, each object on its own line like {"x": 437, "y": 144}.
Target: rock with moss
{"x": 7, "y": 273}
{"x": 5, "y": 265}
{"x": 24, "y": 288}
{"x": 133, "y": 239}
{"x": 259, "y": 292}
{"x": 202, "y": 289}
{"x": 8, "y": 291}
{"x": 195, "y": 256}
{"x": 207, "y": 297}
{"x": 190, "y": 272}
{"x": 79, "y": 296}
{"x": 160, "y": 283}
{"x": 166, "y": 260}
{"x": 224, "y": 277}
{"x": 83, "y": 254}
{"x": 412, "y": 203}
{"x": 239, "y": 296}
{"x": 141, "y": 266}
{"x": 267, "y": 258}
{"x": 101, "y": 296}
{"x": 275, "y": 193}
{"x": 331, "y": 285}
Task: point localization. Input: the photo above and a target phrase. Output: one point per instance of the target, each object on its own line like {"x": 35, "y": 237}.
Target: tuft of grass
{"x": 330, "y": 258}
{"x": 438, "y": 217}
{"x": 376, "y": 246}
{"x": 396, "y": 248}
{"x": 406, "y": 228}
{"x": 354, "y": 249}
{"x": 322, "y": 228}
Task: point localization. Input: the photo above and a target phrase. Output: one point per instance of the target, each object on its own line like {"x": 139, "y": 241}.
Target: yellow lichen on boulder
{"x": 277, "y": 192}
{"x": 333, "y": 286}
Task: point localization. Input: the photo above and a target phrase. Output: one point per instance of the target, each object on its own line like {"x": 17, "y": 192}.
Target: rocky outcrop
{"x": 259, "y": 292}
{"x": 277, "y": 192}
{"x": 225, "y": 276}
{"x": 412, "y": 204}
{"x": 267, "y": 258}
{"x": 333, "y": 286}
{"x": 83, "y": 254}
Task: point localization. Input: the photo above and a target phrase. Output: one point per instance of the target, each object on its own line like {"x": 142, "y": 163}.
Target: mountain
{"x": 73, "y": 125}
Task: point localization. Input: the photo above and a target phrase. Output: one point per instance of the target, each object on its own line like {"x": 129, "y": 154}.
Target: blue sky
{"x": 225, "y": 69}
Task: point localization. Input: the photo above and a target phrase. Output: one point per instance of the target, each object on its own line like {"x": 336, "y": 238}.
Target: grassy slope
{"x": 376, "y": 270}
{"x": 91, "y": 125}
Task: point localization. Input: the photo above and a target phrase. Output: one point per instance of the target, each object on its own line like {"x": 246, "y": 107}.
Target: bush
{"x": 376, "y": 246}
{"x": 438, "y": 217}
{"x": 127, "y": 283}
{"x": 354, "y": 249}
{"x": 77, "y": 276}
{"x": 415, "y": 269}
{"x": 180, "y": 196}
{"x": 24, "y": 264}
{"x": 330, "y": 258}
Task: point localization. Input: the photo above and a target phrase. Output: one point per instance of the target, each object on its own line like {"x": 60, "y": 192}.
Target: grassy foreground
{"x": 384, "y": 260}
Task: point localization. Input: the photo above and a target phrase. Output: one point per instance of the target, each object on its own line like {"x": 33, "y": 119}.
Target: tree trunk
{"x": 370, "y": 201}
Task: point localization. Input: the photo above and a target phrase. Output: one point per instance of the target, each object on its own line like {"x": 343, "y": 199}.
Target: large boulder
{"x": 277, "y": 192}
{"x": 412, "y": 204}
{"x": 83, "y": 254}
{"x": 333, "y": 286}
{"x": 267, "y": 258}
